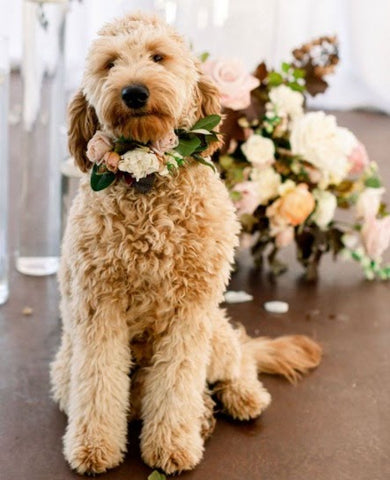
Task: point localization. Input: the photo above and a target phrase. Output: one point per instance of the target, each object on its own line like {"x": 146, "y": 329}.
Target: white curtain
{"x": 252, "y": 30}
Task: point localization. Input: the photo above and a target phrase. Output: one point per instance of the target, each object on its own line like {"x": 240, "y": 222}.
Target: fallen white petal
{"x": 276, "y": 307}
{"x": 237, "y": 297}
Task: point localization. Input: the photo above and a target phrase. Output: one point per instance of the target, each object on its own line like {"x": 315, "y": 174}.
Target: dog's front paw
{"x": 90, "y": 454}
{"x": 243, "y": 401}
{"x": 170, "y": 451}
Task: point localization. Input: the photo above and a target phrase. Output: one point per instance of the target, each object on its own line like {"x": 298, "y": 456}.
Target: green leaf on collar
{"x": 100, "y": 180}
{"x": 201, "y": 160}
{"x": 207, "y": 123}
{"x": 187, "y": 146}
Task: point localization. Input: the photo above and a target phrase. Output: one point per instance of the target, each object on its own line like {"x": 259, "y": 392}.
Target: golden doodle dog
{"x": 143, "y": 274}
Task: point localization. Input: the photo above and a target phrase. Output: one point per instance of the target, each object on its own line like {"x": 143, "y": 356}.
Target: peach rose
{"x": 98, "y": 146}
{"x": 233, "y": 82}
{"x": 112, "y": 159}
{"x": 376, "y": 236}
{"x": 358, "y": 159}
{"x": 292, "y": 208}
{"x": 249, "y": 200}
{"x": 297, "y": 205}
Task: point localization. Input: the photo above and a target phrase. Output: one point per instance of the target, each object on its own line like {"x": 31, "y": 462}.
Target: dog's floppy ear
{"x": 208, "y": 104}
{"x": 83, "y": 124}
{"x": 209, "y": 96}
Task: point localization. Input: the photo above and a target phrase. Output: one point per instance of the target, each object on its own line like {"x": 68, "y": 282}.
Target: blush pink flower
{"x": 358, "y": 159}
{"x": 249, "y": 200}
{"x": 284, "y": 237}
{"x": 166, "y": 143}
{"x": 98, "y": 146}
{"x": 376, "y": 236}
{"x": 233, "y": 82}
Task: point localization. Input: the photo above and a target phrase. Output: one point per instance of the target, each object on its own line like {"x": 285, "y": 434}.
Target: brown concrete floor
{"x": 334, "y": 425}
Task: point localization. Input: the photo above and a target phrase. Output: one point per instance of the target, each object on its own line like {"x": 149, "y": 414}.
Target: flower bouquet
{"x": 291, "y": 172}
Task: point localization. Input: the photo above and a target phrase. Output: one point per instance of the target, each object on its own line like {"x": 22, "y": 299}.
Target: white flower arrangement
{"x": 290, "y": 171}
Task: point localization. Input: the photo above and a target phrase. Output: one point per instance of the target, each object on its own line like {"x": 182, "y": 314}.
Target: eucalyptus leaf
{"x": 207, "y": 123}
{"x": 100, "y": 181}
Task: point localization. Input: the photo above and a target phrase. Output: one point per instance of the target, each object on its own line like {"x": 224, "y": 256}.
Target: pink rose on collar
{"x": 98, "y": 146}
{"x": 165, "y": 144}
{"x": 233, "y": 82}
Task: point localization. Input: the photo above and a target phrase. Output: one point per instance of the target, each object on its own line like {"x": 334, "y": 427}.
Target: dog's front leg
{"x": 95, "y": 439}
{"x": 173, "y": 405}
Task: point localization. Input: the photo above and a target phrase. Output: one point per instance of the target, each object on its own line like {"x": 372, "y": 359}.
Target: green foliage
{"x": 155, "y": 475}
{"x": 101, "y": 178}
{"x": 187, "y": 146}
{"x": 207, "y": 123}
{"x": 373, "y": 182}
{"x": 204, "y": 56}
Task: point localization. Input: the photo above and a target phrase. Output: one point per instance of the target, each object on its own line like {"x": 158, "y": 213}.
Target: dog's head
{"x": 141, "y": 81}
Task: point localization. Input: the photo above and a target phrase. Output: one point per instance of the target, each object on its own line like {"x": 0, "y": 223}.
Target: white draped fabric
{"x": 252, "y": 30}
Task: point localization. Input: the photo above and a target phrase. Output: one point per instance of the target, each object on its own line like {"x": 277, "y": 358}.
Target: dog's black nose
{"x": 135, "y": 96}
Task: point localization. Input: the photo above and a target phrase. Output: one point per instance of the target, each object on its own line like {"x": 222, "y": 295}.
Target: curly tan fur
{"x": 142, "y": 276}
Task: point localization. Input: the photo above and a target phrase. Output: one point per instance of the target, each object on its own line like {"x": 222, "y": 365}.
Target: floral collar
{"x": 137, "y": 164}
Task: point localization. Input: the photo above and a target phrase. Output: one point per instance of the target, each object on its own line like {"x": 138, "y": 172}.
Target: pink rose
{"x": 233, "y": 82}
{"x": 358, "y": 159}
{"x": 98, "y": 146}
{"x": 165, "y": 144}
{"x": 285, "y": 237}
{"x": 376, "y": 236}
{"x": 249, "y": 200}
{"x": 112, "y": 159}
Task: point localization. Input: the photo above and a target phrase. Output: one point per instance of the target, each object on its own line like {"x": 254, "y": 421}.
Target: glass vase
{"x": 4, "y": 97}
{"x": 44, "y": 149}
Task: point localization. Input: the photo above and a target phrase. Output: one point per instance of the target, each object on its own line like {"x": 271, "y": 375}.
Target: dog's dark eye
{"x": 157, "y": 58}
{"x": 110, "y": 65}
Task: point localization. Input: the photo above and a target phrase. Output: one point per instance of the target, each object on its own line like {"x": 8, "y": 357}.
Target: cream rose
{"x": 233, "y": 82}
{"x": 368, "y": 203}
{"x": 325, "y": 208}
{"x": 98, "y": 146}
{"x": 259, "y": 150}
{"x": 286, "y": 101}
{"x": 267, "y": 183}
{"x": 325, "y": 145}
{"x": 139, "y": 162}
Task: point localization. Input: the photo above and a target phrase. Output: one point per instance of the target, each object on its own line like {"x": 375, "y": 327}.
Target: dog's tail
{"x": 290, "y": 355}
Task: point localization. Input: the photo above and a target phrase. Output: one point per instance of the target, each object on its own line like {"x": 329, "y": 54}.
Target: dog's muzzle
{"x": 135, "y": 96}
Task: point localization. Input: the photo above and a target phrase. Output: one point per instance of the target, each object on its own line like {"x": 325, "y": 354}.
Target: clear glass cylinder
{"x": 43, "y": 117}
{"x": 4, "y": 98}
